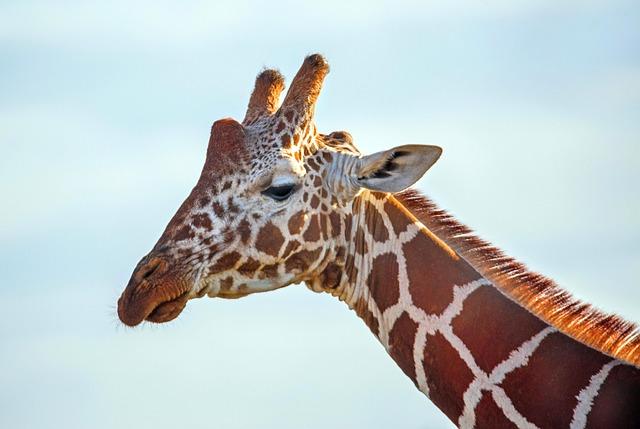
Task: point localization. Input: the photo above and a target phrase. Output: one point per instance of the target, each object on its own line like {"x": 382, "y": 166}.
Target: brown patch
{"x": 315, "y": 202}
{"x": 378, "y": 195}
{"x": 292, "y": 246}
{"x": 296, "y": 140}
{"x": 545, "y": 389}
{"x": 383, "y": 281}
{"x": 289, "y": 115}
{"x": 317, "y": 181}
{"x": 269, "y": 239}
{"x": 357, "y": 205}
{"x": 202, "y": 221}
{"x": 327, "y": 157}
{"x": 348, "y": 221}
{"x": 296, "y": 222}
{"x": 217, "y": 209}
{"x": 228, "y": 235}
{"x": 401, "y": 339}
{"x": 487, "y": 315}
{"x": 361, "y": 242}
{"x": 280, "y": 127}
{"x": 244, "y": 229}
{"x": 375, "y": 224}
{"x": 362, "y": 310}
{"x": 540, "y": 295}
{"x": 447, "y": 375}
{"x": 351, "y": 269}
{"x": 313, "y": 230}
{"x": 270, "y": 270}
{"x": 312, "y": 164}
{"x": 226, "y": 284}
{"x": 334, "y": 220}
{"x": 226, "y": 262}
{"x": 202, "y": 202}
{"x": 489, "y": 415}
{"x": 226, "y": 185}
{"x": 184, "y": 233}
{"x": 399, "y": 220}
{"x": 185, "y": 253}
{"x": 618, "y": 401}
{"x": 250, "y": 266}
{"x": 299, "y": 262}
{"x": 286, "y": 141}
{"x": 432, "y": 272}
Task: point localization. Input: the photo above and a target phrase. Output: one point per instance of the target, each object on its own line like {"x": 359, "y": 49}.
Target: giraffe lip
{"x": 168, "y": 310}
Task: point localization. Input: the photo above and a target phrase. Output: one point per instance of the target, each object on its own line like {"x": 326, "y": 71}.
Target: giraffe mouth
{"x": 168, "y": 310}
{"x": 133, "y": 311}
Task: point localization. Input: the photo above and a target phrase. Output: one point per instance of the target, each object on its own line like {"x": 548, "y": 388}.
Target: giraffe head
{"x": 271, "y": 206}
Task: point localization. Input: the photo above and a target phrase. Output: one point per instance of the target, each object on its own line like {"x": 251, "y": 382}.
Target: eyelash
{"x": 280, "y": 192}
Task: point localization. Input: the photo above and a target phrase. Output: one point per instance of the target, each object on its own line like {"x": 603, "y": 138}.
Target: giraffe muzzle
{"x": 154, "y": 293}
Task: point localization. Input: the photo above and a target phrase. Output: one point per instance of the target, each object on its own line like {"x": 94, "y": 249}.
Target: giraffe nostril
{"x": 148, "y": 269}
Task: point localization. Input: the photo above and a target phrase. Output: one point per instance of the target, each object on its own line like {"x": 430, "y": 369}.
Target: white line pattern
{"x": 429, "y": 324}
{"x": 482, "y": 382}
{"x": 587, "y": 395}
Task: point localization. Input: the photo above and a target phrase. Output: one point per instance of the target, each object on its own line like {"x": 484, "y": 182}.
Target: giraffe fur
{"x": 279, "y": 203}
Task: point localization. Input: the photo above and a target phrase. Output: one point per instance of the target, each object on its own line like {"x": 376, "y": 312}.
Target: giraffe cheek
{"x": 269, "y": 239}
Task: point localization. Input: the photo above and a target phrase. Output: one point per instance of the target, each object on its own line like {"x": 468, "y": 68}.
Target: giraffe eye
{"x": 280, "y": 192}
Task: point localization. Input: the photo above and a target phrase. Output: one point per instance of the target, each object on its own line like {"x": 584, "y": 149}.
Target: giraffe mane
{"x": 606, "y": 332}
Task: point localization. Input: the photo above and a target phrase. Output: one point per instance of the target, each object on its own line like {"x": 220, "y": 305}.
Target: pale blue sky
{"x": 105, "y": 109}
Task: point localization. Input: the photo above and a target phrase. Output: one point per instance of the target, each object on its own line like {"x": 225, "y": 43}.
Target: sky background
{"x": 105, "y": 109}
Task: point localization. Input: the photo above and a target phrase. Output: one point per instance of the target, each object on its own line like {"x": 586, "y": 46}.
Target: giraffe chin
{"x": 232, "y": 295}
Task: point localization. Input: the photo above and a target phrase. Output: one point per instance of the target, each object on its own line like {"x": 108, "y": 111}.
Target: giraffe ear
{"x": 396, "y": 169}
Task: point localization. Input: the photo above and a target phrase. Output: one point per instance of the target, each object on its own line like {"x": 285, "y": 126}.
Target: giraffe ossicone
{"x": 279, "y": 203}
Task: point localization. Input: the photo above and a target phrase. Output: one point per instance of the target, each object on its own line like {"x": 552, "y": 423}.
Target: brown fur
{"x": 264, "y": 99}
{"x": 304, "y": 90}
{"x": 608, "y": 333}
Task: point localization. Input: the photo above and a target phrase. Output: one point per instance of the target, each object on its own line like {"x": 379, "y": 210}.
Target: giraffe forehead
{"x": 250, "y": 149}
{"x": 281, "y": 131}
{"x": 271, "y": 140}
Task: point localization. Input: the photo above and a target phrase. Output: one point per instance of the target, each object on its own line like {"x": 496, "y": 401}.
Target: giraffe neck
{"x": 484, "y": 360}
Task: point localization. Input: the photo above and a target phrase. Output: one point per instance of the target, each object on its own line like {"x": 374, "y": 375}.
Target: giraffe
{"x": 490, "y": 343}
